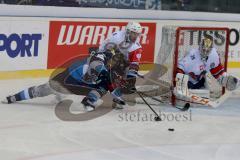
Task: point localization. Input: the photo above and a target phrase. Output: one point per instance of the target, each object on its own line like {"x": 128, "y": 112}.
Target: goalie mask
{"x": 133, "y": 31}
{"x": 205, "y": 48}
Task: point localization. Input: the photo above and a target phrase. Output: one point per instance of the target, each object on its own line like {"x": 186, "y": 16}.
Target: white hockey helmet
{"x": 134, "y": 27}
{"x": 206, "y": 47}
{"x": 133, "y": 31}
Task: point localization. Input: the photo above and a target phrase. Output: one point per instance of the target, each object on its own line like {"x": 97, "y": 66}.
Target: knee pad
{"x": 41, "y": 90}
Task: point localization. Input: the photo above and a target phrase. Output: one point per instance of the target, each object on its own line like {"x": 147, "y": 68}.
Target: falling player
{"x": 205, "y": 59}
{"x": 93, "y": 76}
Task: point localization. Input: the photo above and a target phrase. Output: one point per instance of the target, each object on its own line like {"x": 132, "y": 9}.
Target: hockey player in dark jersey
{"x": 91, "y": 76}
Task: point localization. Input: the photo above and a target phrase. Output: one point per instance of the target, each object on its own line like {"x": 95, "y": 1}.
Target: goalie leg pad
{"x": 181, "y": 84}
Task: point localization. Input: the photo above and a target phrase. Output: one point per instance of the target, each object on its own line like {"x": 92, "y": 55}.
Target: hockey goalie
{"x": 194, "y": 68}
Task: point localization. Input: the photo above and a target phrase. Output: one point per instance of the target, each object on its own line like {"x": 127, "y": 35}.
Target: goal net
{"x": 176, "y": 42}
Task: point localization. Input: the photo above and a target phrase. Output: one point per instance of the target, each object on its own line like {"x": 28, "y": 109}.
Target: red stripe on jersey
{"x": 217, "y": 71}
{"x": 135, "y": 56}
{"x": 219, "y": 74}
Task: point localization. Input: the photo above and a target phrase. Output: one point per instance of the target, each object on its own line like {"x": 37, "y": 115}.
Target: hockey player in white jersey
{"x": 127, "y": 42}
{"x": 205, "y": 59}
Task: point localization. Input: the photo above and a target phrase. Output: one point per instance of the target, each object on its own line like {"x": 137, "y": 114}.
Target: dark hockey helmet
{"x": 118, "y": 64}
{"x": 118, "y": 60}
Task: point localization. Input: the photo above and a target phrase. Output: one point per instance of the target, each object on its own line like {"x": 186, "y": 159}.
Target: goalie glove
{"x": 228, "y": 81}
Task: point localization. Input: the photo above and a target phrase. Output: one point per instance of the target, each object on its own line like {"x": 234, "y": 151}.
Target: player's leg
{"x": 66, "y": 83}
{"x": 30, "y": 93}
{"x": 54, "y": 86}
{"x": 93, "y": 99}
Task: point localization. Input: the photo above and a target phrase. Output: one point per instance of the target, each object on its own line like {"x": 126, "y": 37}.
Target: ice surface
{"x": 30, "y": 130}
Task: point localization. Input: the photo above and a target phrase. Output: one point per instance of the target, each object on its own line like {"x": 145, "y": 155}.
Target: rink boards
{"x": 35, "y": 46}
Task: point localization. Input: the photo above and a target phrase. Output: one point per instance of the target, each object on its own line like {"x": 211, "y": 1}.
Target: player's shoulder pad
{"x": 114, "y": 34}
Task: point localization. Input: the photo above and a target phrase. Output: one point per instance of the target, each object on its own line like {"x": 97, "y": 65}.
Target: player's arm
{"x": 132, "y": 73}
{"x": 224, "y": 79}
{"x": 134, "y": 60}
{"x": 109, "y": 44}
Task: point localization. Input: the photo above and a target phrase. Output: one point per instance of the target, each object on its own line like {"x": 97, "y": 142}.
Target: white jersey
{"x": 195, "y": 67}
{"x": 132, "y": 51}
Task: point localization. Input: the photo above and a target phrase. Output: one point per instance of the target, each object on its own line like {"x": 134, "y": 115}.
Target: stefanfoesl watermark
{"x": 142, "y": 116}
{"x": 64, "y": 83}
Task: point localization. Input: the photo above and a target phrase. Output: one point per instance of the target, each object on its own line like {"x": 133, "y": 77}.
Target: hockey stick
{"x": 157, "y": 118}
{"x": 151, "y": 80}
{"x": 184, "y": 108}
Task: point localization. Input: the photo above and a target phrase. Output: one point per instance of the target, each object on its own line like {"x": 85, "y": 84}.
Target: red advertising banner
{"x": 68, "y": 39}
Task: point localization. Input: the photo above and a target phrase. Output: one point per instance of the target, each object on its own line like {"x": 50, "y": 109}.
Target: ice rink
{"x": 31, "y": 130}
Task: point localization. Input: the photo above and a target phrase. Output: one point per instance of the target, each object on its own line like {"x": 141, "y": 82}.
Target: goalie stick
{"x": 185, "y": 107}
{"x": 195, "y": 99}
{"x": 181, "y": 90}
{"x": 192, "y": 98}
